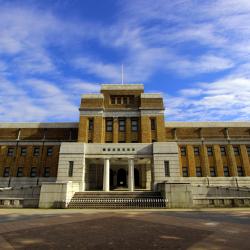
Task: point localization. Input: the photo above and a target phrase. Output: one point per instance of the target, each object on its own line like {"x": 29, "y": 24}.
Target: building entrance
{"x": 121, "y": 177}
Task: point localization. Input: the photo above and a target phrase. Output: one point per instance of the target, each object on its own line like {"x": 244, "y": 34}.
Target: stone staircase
{"x": 117, "y": 200}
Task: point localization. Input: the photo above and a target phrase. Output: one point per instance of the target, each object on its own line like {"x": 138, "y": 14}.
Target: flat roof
{"x": 38, "y": 124}
{"x": 122, "y": 86}
{"x": 207, "y": 124}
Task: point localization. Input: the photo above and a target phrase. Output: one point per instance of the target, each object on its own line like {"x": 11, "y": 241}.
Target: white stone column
{"x": 106, "y": 175}
{"x": 131, "y": 179}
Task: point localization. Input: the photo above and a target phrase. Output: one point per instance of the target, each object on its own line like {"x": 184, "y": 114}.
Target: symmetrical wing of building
{"x": 122, "y": 142}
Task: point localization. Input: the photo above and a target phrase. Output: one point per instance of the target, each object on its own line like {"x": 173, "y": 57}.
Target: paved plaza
{"x": 124, "y": 229}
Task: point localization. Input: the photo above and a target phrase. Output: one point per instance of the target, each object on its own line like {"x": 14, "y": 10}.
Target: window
{"x": 46, "y": 172}
{"x": 223, "y": 150}
{"x": 134, "y": 125}
{"x": 240, "y": 171}
{"x": 122, "y": 125}
{"x": 183, "y": 151}
{"x": 10, "y": 152}
{"x": 109, "y": 125}
{"x": 119, "y": 100}
{"x": 184, "y": 171}
{"x": 196, "y": 151}
{"x": 49, "y": 151}
{"x": 248, "y": 150}
{"x": 212, "y": 171}
{"x": 23, "y": 151}
{"x": 36, "y": 151}
{"x": 167, "y": 170}
{"x": 236, "y": 150}
{"x": 209, "y": 151}
{"x": 226, "y": 171}
{"x": 19, "y": 172}
{"x": 33, "y": 172}
{"x": 91, "y": 124}
{"x": 153, "y": 124}
{"x": 71, "y": 167}
{"x": 198, "y": 172}
{"x": 112, "y": 100}
{"x": 6, "y": 172}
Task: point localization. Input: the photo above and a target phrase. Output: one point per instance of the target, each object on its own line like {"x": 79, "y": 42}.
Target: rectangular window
{"x": 23, "y": 151}
{"x": 209, "y": 151}
{"x": 122, "y": 125}
{"x": 153, "y": 124}
{"x": 91, "y": 124}
{"x": 183, "y": 151}
{"x": 10, "y": 152}
{"x": 109, "y": 125}
{"x": 46, "y": 172}
{"x": 119, "y": 100}
{"x": 6, "y": 172}
{"x": 112, "y": 98}
{"x": 236, "y": 150}
{"x": 36, "y": 151}
{"x": 196, "y": 151}
{"x": 19, "y": 172}
{"x": 167, "y": 170}
{"x": 49, "y": 151}
{"x": 212, "y": 172}
{"x": 71, "y": 168}
{"x": 240, "y": 171}
{"x": 248, "y": 150}
{"x": 33, "y": 172}
{"x": 184, "y": 171}
{"x": 226, "y": 171}
{"x": 198, "y": 172}
{"x": 134, "y": 125}
{"x": 223, "y": 151}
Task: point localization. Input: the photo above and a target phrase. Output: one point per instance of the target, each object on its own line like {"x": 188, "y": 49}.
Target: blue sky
{"x": 195, "y": 52}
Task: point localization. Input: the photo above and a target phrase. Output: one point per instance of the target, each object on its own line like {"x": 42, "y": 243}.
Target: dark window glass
{"x": 196, "y": 151}
{"x": 6, "y": 172}
{"x": 19, "y": 172}
{"x": 109, "y": 125}
{"x": 23, "y": 151}
{"x": 46, "y": 172}
{"x": 71, "y": 168}
{"x": 209, "y": 151}
{"x": 91, "y": 124}
{"x": 226, "y": 171}
{"x": 183, "y": 151}
{"x": 240, "y": 171}
{"x": 49, "y": 151}
{"x": 122, "y": 125}
{"x": 10, "y": 152}
{"x": 36, "y": 151}
{"x": 112, "y": 99}
{"x": 33, "y": 172}
{"x": 212, "y": 171}
{"x": 125, "y": 100}
{"x": 153, "y": 124}
{"x": 167, "y": 170}
{"x": 198, "y": 172}
{"x": 119, "y": 100}
{"x": 223, "y": 150}
{"x": 248, "y": 150}
{"x": 134, "y": 125}
{"x": 236, "y": 150}
{"x": 184, "y": 171}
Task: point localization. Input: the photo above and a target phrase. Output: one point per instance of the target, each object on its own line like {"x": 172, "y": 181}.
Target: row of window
{"x": 23, "y": 152}
{"x": 210, "y": 150}
{"x": 20, "y": 171}
{"x": 121, "y": 99}
{"x": 213, "y": 172}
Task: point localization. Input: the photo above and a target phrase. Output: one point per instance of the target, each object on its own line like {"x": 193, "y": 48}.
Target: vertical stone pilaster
{"x": 83, "y": 129}
{"x": 98, "y": 129}
{"x": 232, "y": 160}
{"x": 191, "y": 161}
{"x": 160, "y": 128}
{"x": 128, "y": 129}
{"x": 146, "y": 136}
{"x": 245, "y": 159}
{"x": 115, "y": 130}
{"x": 218, "y": 160}
{"x": 204, "y": 161}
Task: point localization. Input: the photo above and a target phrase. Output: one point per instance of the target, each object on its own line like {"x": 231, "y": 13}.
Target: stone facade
{"x": 123, "y": 142}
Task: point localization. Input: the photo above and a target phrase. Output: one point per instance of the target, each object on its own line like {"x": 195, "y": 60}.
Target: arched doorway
{"x": 121, "y": 177}
{"x": 137, "y": 178}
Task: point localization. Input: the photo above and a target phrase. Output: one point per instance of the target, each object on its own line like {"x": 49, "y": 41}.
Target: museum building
{"x": 122, "y": 145}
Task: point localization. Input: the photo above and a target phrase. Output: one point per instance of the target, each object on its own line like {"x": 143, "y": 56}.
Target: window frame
{"x": 32, "y": 172}
{"x": 200, "y": 172}
{"x": 23, "y": 151}
{"x": 186, "y": 171}
{"x": 4, "y": 172}
{"x": 196, "y": 151}
{"x": 49, "y": 151}
{"x": 19, "y": 172}
{"x": 228, "y": 171}
{"x": 236, "y": 150}
{"x": 34, "y": 151}
{"x": 122, "y": 127}
{"x": 183, "y": 150}
{"x": 167, "y": 168}
{"x": 109, "y": 125}
{"x": 134, "y": 125}
{"x": 214, "y": 171}
{"x": 224, "y": 151}
{"x": 210, "y": 151}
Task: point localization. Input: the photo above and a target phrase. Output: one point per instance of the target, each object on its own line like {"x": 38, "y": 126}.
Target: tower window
{"x": 10, "y": 152}
{"x": 183, "y": 151}
{"x": 236, "y": 150}
{"x": 212, "y": 171}
{"x": 223, "y": 150}
{"x": 134, "y": 125}
{"x": 33, "y": 172}
{"x": 153, "y": 124}
{"x": 122, "y": 125}
{"x": 49, "y": 151}
{"x": 198, "y": 172}
{"x": 226, "y": 171}
{"x": 6, "y": 172}
{"x": 196, "y": 151}
{"x": 184, "y": 171}
{"x": 209, "y": 151}
{"x": 23, "y": 151}
{"x": 109, "y": 125}
{"x": 36, "y": 151}
{"x": 91, "y": 124}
